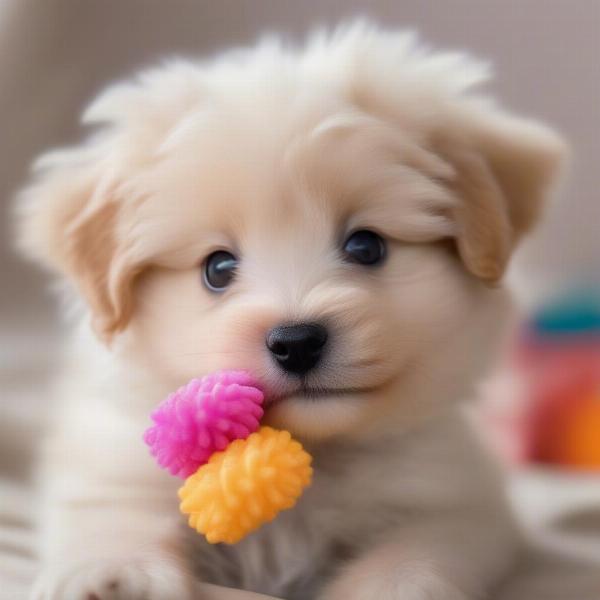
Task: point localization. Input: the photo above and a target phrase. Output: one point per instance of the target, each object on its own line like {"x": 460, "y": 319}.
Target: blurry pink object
{"x": 203, "y": 417}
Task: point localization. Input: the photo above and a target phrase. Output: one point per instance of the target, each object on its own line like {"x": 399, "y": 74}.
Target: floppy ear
{"x": 69, "y": 222}
{"x": 504, "y": 169}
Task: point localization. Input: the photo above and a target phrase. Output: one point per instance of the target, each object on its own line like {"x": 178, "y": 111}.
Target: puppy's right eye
{"x": 365, "y": 248}
{"x": 219, "y": 270}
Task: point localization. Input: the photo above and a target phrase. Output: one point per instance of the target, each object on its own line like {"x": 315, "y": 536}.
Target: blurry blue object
{"x": 576, "y": 312}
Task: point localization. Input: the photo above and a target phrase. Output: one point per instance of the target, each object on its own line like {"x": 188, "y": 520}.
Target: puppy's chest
{"x": 292, "y": 556}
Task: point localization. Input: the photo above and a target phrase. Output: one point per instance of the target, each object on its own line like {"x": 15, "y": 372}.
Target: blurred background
{"x": 542, "y": 410}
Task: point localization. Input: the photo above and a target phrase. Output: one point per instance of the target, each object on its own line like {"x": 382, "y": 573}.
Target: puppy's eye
{"x": 365, "y": 247}
{"x": 219, "y": 270}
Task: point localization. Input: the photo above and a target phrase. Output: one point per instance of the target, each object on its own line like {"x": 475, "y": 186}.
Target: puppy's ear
{"x": 69, "y": 221}
{"x": 504, "y": 169}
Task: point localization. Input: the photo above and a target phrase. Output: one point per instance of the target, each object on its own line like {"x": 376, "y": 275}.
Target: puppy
{"x": 336, "y": 219}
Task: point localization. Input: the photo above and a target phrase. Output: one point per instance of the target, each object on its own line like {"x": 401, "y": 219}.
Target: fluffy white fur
{"x": 277, "y": 154}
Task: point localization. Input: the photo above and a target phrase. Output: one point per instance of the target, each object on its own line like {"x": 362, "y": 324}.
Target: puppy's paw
{"x": 150, "y": 579}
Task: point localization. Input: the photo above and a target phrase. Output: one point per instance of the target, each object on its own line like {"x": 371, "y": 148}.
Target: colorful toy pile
{"x": 559, "y": 356}
{"x": 239, "y": 476}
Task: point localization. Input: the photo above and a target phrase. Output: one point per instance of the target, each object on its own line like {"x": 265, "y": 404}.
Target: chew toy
{"x": 201, "y": 418}
{"x": 238, "y": 478}
{"x": 245, "y": 486}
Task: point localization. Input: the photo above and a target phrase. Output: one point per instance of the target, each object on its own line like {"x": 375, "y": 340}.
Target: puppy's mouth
{"x": 321, "y": 392}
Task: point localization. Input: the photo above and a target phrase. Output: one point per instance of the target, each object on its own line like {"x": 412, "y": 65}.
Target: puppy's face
{"x": 341, "y": 253}
{"x": 308, "y": 261}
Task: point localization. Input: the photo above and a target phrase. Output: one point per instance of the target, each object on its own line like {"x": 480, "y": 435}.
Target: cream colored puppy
{"x": 335, "y": 219}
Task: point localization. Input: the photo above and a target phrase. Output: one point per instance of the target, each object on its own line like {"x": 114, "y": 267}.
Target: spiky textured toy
{"x": 203, "y": 417}
{"x": 246, "y": 485}
{"x": 238, "y": 478}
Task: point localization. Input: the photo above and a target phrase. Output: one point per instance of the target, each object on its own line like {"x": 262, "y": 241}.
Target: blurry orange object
{"x": 579, "y": 445}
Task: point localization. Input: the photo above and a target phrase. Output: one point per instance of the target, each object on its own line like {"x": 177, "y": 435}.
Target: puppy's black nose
{"x": 297, "y": 348}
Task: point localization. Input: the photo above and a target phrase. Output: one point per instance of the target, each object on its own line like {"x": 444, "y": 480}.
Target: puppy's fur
{"x": 277, "y": 154}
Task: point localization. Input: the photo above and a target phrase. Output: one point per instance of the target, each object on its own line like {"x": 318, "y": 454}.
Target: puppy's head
{"x": 336, "y": 220}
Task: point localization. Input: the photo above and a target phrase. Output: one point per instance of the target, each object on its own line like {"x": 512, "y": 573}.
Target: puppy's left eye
{"x": 219, "y": 270}
{"x": 365, "y": 247}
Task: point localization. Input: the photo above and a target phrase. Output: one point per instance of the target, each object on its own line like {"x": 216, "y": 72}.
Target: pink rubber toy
{"x": 203, "y": 417}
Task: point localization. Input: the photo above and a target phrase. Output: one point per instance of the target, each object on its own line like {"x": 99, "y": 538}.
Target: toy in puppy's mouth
{"x": 239, "y": 475}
